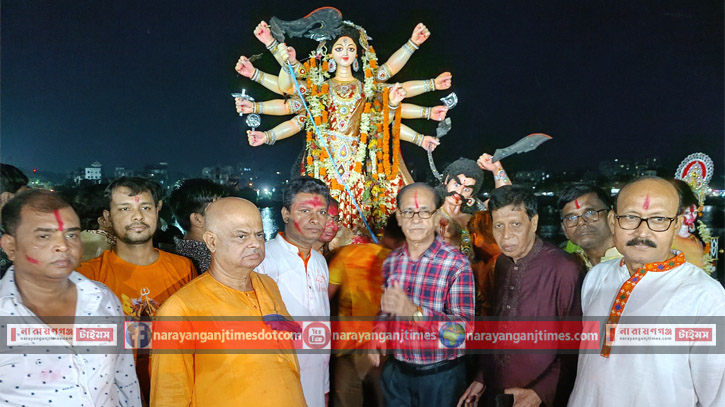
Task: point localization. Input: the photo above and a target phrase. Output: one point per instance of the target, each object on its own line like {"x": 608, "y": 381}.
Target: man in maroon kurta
{"x": 535, "y": 279}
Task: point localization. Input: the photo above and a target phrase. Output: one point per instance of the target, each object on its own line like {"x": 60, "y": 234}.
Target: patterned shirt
{"x": 441, "y": 283}
{"x": 195, "y": 251}
{"x": 70, "y": 377}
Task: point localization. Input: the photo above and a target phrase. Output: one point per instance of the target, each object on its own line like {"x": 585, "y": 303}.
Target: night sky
{"x": 130, "y": 83}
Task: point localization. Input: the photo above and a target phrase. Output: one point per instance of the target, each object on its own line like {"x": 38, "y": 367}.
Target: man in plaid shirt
{"x": 430, "y": 282}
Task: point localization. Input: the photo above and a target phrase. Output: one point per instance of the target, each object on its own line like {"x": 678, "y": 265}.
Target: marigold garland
{"x": 396, "y": 145}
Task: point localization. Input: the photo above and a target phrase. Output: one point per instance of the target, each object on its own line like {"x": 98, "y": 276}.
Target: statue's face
{"x": 344, "y": 51}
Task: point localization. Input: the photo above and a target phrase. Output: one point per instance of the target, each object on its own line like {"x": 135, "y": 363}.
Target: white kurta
{"x": 652, "y": 379}
{"x": 71, "y": 377}
{"x": 304, "y": 292}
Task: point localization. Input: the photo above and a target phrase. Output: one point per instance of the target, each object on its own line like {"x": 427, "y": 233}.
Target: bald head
{"x": 222, "y": 211}
{"x": 649, "y": 188}
{"x": 234, "y": 236}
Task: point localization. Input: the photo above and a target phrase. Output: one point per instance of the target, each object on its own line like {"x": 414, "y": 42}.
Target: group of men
{"x": 417, "y": 276}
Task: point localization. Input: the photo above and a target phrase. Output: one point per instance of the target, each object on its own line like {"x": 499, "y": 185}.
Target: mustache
{"x": 454, "y": 194}
{"x": 133, "y": 225}
{"x": 637, "y": 241}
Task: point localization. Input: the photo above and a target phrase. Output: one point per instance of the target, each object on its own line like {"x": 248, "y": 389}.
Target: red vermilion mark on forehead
{"x": 31, "y": 260}
{"x": 645, "y": 205}
{"x": 136, "y": 198}
{"x": 415, "y": 197}
{"x": 58, "y": 219}
{"x": 576, "y": 203}
{"x": 314, "y": 202}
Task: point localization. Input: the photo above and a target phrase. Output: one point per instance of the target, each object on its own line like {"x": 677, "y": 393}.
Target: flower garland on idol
{"x": 378, "y": 151}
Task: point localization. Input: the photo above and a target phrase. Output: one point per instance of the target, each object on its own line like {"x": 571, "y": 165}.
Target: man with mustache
{"x": 301, "y": 273}
{"x": 142, "y": 276}
{"x": 230, "y": 288}
{"x": 650, "y": 281}
{"x": 583, "y": 209}
{"x": 42, "y": 237}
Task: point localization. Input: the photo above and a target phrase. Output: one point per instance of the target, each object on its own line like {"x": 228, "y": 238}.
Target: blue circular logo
{"x": 452, "y": 334}
{"x": 138, "y": 335}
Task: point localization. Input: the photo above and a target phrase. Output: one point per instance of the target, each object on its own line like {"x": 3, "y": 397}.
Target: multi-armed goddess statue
{"x": 351, "y": 115}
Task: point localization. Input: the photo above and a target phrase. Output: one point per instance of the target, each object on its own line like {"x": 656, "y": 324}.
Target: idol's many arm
{"x": 420, "y": 140}
{"x": 245, "y": 68}
{"x": 281, "y": 53}
{"x": 397, "y": 94}
{"x": 397, "y": 61}
{"x": 417, "y": 87}
{"x": 276, "y": 107}
{"x": 411, "y": 111}
{"x": 281, "y": 131}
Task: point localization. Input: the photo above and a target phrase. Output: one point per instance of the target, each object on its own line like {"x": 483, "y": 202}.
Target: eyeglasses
{"x": 589, "y": 216}
{"x": 408, "y": 214}
{"x": 654, "y": 223}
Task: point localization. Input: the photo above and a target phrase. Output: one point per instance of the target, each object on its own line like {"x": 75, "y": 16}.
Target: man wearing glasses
{"x": 583, "y": 208}
{"x": 651, "y": 284}
{"x": 426, "y": 280}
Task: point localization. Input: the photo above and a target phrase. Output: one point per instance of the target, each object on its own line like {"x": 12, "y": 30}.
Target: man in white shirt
{"x": 302, "y": 274}
{"x": 42, "y": 237}
{"x": 655, "y": 284}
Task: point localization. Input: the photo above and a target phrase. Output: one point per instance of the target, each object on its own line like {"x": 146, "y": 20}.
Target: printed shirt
{"x": 195, "y": 251}
{"x": 303, "y": 285}
{"x": 66, "y": 378}
{"x": 694, "y": 376}
{"x": 441, "y": 283}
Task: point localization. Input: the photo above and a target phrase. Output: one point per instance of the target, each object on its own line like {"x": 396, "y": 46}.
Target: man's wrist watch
{"x": 418, "y": 315}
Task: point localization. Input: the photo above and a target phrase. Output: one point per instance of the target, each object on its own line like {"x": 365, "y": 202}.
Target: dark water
{"x": 713, "y": 215}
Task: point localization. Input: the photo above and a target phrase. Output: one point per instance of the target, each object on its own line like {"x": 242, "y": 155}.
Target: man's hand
{"x": 485, "y": 162}
{"x": 395, "y": 302}
{"x": 374, "y": 357}
{"x": 472, "y": 395}
{"x": 524, "y": 397}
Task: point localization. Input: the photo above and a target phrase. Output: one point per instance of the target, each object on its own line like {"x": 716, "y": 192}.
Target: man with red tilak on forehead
{"x": 301, "y": 273}
{"x": 651, "y": 284}
{"x": 42, "y": 237}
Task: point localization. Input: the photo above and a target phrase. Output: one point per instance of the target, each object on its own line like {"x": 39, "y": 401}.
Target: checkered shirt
{"x": 441, "y": 283}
